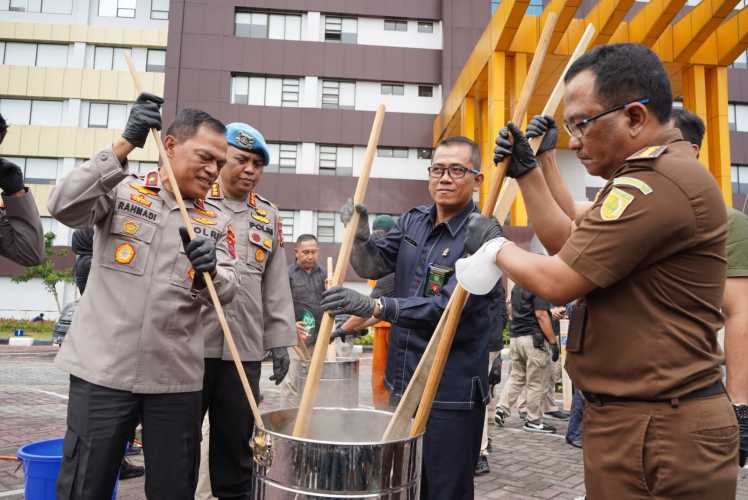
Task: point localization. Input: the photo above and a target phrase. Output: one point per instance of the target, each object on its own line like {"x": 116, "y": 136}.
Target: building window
{"x": 395, "y": 25}
{"x": 739, "y": 174}
{"x": 110, "y": 58}
{"x": 740, "y": 62}
{"x": 393, "y": 89}
{"x": 392, "y": 152}
{"x": 336, "y": 160}
{"x": 338, "y": 95}
{"x": 50, "y": 55}
{"x": 737, "y": 117}
{"x": 31, "y": 112}
{"x": 341, "y": 29}
{"x": 160, "y": 9}
{"x": 37, "y": 170}
{"x": 287, "y": 218}
{"x": 45, "y": 6}
{"x": 425, "y": 27}
{"x": 282, "y": 158}
{"x": 424, "y": 153}
{"x": 267, "y": 25}
{"x": 262, "y": 91}
{"x": 140, "y": 168}
{"x": 48, "y": 224}
{"x": 117, "y": 8}
{"x": 326, "y": 227}
{"x": 156, "y": 61}
{"x": 425, "y": 91}
{"x": 106, "y": 115}
{"x": 535, "y": 8}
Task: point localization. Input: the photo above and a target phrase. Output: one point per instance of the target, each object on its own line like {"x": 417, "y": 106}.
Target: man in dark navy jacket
{"x": 421, "y": 250}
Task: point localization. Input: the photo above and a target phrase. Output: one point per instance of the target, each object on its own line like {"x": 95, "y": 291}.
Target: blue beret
{"x": 248, "y": 138}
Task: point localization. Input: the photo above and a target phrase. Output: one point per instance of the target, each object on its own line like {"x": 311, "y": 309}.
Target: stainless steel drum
{"x": 343, "y": 458}
{"x": 338, "y": 385}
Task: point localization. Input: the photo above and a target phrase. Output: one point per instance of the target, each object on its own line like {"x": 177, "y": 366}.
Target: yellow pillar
{"x": 695, "y": 101}
{"x": 519, "y": 73}
{"x": 717, "y": 130}
{"x": 467, "y": 118}
{"x": 494, "y": 116}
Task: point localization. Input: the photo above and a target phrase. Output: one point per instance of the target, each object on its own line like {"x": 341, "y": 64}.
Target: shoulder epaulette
{"x": 216, "y": 193}
{"x": 262, "y": 198}
{"x": 648, "y": 153}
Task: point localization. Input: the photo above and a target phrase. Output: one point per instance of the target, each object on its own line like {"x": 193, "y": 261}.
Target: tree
{"x": 46, "y": 270}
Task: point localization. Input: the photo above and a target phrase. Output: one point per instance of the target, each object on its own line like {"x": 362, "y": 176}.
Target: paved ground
{"x": 33, "y": 403}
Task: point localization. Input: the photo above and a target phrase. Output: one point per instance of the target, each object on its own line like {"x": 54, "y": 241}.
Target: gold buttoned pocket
{"x": 128, "y": 244}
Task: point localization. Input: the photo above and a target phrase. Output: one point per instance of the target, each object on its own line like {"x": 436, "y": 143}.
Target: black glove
{"x": 201, "y": 251}
{"x": 522, "y": 158}
{"x": 342, "y": 334}
{"x": 144, "y": 116}
{"x": 543, "y": 124}
{"x": 362, "y": 230}
{"x": 741, "y": 412}
{"x": 11, "y": 177}
{"x": 281, "y": 362}
{"x": 480, "y": 230}
{"x": 494, "y": 375}
{"x": 339, "y": 300}
{"x": 555, "y": 352}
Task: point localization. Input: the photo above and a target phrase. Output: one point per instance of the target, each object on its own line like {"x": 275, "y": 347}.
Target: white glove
{"x": 478, "y": 274}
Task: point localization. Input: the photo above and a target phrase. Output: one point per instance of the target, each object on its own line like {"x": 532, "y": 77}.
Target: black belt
{"x": 601, "y": 399}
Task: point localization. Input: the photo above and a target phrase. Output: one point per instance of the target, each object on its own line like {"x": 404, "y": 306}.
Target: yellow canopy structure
{"x": 696, "y": 50}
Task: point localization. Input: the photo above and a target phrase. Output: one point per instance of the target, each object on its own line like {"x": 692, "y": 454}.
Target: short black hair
{"x": 690, "y": 125}
{"x": 305, "y": 237}
{"x": 459, "y": 139}
{"x": 188, "y": 120}
{"x": 3, "y": 128}
{"x": 625, "y": 72}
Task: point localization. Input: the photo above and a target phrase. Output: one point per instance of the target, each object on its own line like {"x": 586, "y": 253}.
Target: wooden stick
{"x": 301, "y": 426}
{"x": 461, "y": 295}
{"x": 511, "y": 188}
{"x": 206, "y": 276}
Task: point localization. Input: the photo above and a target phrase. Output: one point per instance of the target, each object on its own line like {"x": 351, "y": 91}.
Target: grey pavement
{"x": 33, "y": 396}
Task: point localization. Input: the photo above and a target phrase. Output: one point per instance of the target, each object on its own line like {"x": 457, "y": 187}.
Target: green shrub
{"x": 38, "y": 329}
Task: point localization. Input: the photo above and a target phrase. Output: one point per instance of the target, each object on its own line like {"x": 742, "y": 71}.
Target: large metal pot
{"x": 338, "y": 384}
{"x": 343, "y": 458}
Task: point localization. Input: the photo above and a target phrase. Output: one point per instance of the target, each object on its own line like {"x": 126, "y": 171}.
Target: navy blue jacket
{"x": 409, "y": 249}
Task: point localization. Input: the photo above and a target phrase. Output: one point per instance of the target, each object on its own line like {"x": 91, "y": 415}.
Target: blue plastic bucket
{"x": 41, "y": 464}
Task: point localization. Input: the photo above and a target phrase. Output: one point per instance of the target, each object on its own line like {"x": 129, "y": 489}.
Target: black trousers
{"x": 451, "y": 447}
{"x": 231, "y": 425}
{"x": 100, "y": 422}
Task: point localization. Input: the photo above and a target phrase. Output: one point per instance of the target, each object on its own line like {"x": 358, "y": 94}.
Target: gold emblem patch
{"x": 130, "y": 227}
{"x": 139, "y": 198}
{"x": 261, "y": 212}
{"x": 204, "y": 220}
{"x": 260, "y": 255}
{"x": 206, "y": 213}
{"x": 260, "y": 218}
{"x": 124, "y": 253}
{"x": 615, "y": 203}
{"x": 267, "y": 243}
{"x": 142, "y": 189}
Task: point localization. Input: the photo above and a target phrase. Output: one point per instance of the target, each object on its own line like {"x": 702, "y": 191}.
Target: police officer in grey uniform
{"x": 133, "y": 352}
{"x": 260, "y": 317}
{"x": 21, "y": 238}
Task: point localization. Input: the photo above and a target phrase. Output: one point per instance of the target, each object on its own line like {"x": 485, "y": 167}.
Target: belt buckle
{"x": 592, "y": 398}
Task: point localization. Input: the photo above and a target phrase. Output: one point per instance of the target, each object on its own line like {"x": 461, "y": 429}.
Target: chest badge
{"x": 142, "y": 189}
{"x": 260, "y": 255}
{"x": 130, "y": 227}
{"x": 614, "y": 204}
{"x": 124, "y": 253}
{"x": 445, "y": 253}
{"x": 260, "y": 218}
{"x": 204, "y": 220}
{"x": 252, "y": 199}
{"x": 142, "y": 200}
{"x": 260, "y": 211}
{"x": 267, "y": 243}
{"x": 231, "y": 240}
{"x": 205, "y": 212}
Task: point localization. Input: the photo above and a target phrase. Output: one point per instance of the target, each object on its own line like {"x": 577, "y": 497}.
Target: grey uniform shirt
{"x": 135, "y": 327}
{"x": 261, "y": 315}
{"x": 21, "y": 238}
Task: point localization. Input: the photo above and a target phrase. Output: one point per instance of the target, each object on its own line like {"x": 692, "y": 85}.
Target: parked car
{"x": 63, "y": 323}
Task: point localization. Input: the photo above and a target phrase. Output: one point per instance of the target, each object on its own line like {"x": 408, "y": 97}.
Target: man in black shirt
{"x": 531, "y": 343}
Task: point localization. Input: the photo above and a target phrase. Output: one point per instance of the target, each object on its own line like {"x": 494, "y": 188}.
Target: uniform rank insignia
{"x": 130, "y": 227}
{"x": 231, "y": 240}
{"x": 124, "y": 253}
{"x": 206, "y": 213}
{"x": 267, "y": 243}
{"x": 648, "y": 153}
{"x": 260, "y": 255}
{"x": 614, "y": 204}
{"x": 204, "y": 220}
{"x": 633, "y": 182}
{"x": 151, "y": 179}
{"x": 139, "y": 198}
{"x": 142, "y": 189}
{"x": 215, "y": 190}
{"x": 199, "y": 203}
{"x": 260, "y": 211}
{"x": 252, "y": 199}
{"x": 260, "y": 218}
{"x": 191, "y": 273}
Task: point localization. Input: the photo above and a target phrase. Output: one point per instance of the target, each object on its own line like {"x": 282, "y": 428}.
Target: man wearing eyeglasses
{"x": 421, "y": 249}
{"x": 648, "y": 260}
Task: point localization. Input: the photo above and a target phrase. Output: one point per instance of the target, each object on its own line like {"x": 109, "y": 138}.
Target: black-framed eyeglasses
{"x": 456, "y": 171}
{"x": 576, "y": 130}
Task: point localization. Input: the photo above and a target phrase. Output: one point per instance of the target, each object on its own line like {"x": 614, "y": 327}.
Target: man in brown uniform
{"x": 21, "y": 238}
{"x": 649, "y": 260}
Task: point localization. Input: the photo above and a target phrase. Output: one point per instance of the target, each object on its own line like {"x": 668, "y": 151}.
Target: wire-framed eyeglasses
{"x": 576, "y": 129}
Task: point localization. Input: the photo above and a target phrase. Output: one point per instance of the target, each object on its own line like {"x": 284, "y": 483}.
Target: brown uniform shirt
{"x": 654, "y": 244}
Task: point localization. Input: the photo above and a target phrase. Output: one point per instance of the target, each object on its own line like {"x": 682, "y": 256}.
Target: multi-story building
{"x": 65, "y": 91}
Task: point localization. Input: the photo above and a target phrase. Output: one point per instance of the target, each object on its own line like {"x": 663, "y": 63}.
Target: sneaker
{"x": 482, "y": 466}
{"x": 499, "y": 417}
{"x": 541, "y": 427}
{"x": 523, "y": 415}
{"x": 133, "y": 449}
{"x": 558, "y": 415}
{"x": 129, "y": 471}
